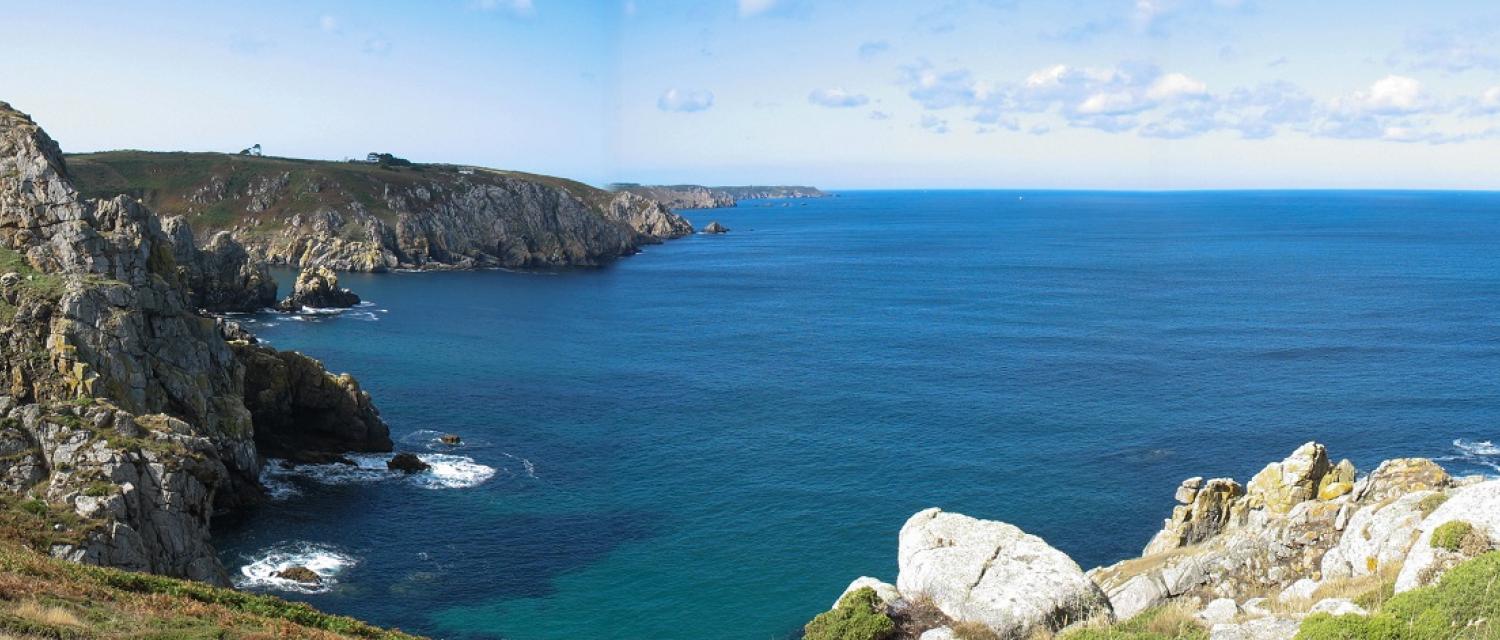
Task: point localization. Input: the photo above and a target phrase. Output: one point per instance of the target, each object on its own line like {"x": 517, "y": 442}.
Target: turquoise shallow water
{"x": 710, "y": 439}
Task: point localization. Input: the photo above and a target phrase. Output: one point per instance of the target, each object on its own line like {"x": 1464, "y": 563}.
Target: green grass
{"x": 1463, "y": 605}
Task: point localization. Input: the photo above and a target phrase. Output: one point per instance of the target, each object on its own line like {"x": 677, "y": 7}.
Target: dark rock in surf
{"x": 715, "y": 227}
{"x": 407, "y": 463}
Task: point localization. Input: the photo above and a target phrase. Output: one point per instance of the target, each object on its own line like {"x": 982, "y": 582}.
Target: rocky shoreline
{"x": 1304, "y": 537}
{"x": 129, "y": 416}
{"x": 691, "y": 196}
{"x": 352, "y": 216}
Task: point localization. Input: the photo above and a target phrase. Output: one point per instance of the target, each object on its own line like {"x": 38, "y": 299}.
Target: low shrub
{"x": 859, "y": 615}
{"x": 1463, "y": 605}
{"x": 1450, "y": 535}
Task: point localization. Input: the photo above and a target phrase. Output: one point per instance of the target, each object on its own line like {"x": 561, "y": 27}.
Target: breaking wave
{"x": 447, "y": 471}
{"x": 326, "y": 561}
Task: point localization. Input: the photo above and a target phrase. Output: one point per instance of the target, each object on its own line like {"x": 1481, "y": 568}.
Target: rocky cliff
{"x": 691, "y": 196}
{"x": 1305, "y": 540}
{"x": 360, "y": 217}
{"x": 126, "y": 418}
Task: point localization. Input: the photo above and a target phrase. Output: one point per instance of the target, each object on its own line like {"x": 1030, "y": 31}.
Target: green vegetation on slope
{"x": 1166, "y": 622}
{"x": 1464, "y": 604}
{"x": 859, "y": 615}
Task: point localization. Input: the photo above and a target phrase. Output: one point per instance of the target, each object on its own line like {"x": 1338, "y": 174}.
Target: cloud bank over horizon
{"x": 1106, "y": 93}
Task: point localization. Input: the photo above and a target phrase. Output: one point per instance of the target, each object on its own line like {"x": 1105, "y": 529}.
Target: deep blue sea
{"x": 712, "y": 438}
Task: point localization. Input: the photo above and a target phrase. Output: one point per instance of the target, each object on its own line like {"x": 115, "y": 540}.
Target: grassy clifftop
{"x": 219, "y": 190}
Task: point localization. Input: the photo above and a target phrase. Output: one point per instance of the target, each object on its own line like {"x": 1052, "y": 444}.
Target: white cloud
{"x": 1490, "y": 101}
{"x": 684, "y": 101}
{"x": 1173, "y": 86}
{"x": 328, "y": 24}
{"x": 934, "y": 124}
{"x": 1391, "y": 95}
{"x": 879, "y": 115}
{"x": 749, "y": 8}
{"x": 377, "y": 45}
{"x": 836, "y": 97}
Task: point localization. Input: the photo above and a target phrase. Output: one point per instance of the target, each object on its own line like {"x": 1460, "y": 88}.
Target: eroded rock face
{"x": 994, "y": 574}
{"x": 220, "y": 276}
{"x": 1281, "y": 485}
{"x": 299, "y": 407}
{"x": 119, "y": 402}
{"x": 715, "y": 228}
{"x": 649, "y": 218}
{"x": 141, "y": 488}
{"x": 1478, "y": 505}
{"x": 1401, "y": 476}
{"x": 317, "y": 287}
{"x": 1376, "y": 537}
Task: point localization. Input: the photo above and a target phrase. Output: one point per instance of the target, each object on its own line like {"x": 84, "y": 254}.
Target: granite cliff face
{"x": 359, "y": 217}
{"x": 125, "y": 415}
{"x": 1305, "y": 536}
{"x": 691, "y": 196}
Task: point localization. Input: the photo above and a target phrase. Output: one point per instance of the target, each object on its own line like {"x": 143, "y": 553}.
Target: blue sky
{"x": 1148, "y": 94}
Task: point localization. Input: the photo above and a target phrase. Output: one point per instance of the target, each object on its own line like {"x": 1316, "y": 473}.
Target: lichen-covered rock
{"x": 1401, "y": 476}
{"x": 1268, "y": 628}
{"x": 1338, "y": 481}
{"x": 1281, "y": 485}
{"x": 994, "y": 574}
{"x": 1208, "y": 510}
{"x": 1219, "y": 610}
{"x": 1478, "y": 505}
{"x": 1376, "y": 537}
{"x": 317, "y": 287}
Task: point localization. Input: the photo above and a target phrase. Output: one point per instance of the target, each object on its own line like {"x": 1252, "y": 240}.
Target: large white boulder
{"x": 994, "y": 574}
{"x": 1479, "y": 505}
{"x": 1376, "y": 536}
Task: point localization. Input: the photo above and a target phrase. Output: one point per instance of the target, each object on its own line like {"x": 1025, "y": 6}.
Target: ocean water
{"x": 712, "y": 438}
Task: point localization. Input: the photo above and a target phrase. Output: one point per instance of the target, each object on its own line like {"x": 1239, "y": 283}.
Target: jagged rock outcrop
{"x": 715, "y": 228}
{"x": 994, "y": 574}
{"x": 358, "y": 217}
{"x": 647, "y": 217}
{"x": 298, "y": 407}
{"x": 219, "y": 276}
{"x": 317, "y": 287}
{"x": 122, "y": 409}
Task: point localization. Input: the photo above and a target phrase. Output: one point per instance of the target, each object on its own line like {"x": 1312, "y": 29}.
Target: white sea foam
{"x": 1482, "y": 453}
{"x": 327, "y": 561}
{"x": 452, "y": 472}
{"x": 447, "y": 472}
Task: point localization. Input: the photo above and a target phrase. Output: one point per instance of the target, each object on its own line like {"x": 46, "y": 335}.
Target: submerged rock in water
{"x": 450, "y": 439}
{"x": 300, "y": 574}
{"x": 318, "y": 288}
{"x": 407, "y": 463}
{"x": 715, "y": 227}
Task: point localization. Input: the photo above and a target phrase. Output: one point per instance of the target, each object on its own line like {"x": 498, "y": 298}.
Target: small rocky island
{"x": 317, "y": 287}
{"x": 1306, "y": 549}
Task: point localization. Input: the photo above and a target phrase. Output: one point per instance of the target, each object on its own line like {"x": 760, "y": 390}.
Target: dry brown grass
{"x": 977, "y": 631}
{"x": 49, "y": 615}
